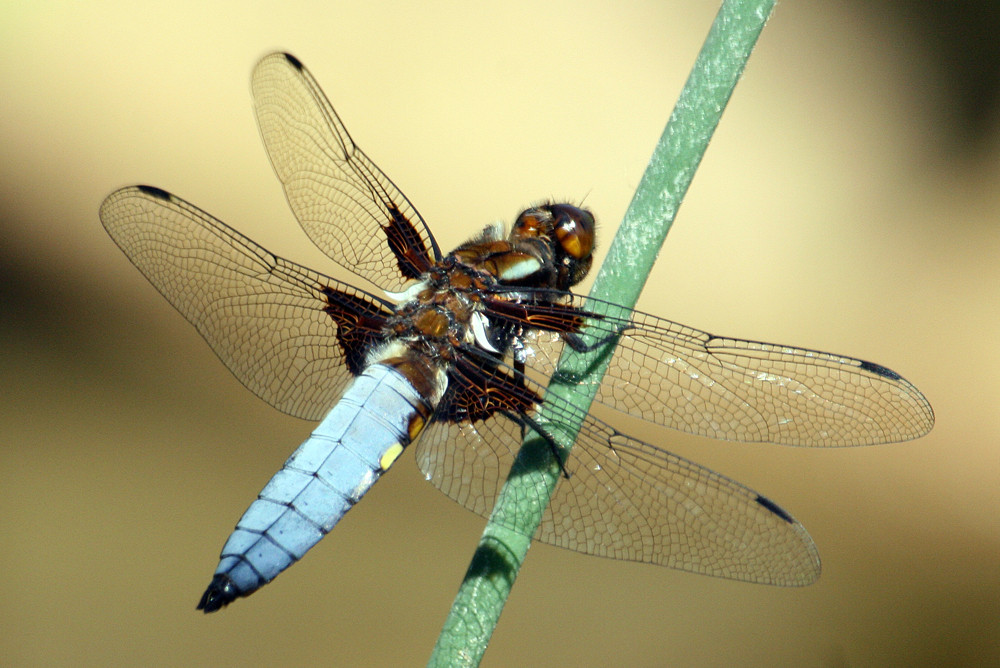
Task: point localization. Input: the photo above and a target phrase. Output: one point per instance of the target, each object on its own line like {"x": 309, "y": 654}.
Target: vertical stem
{"x": 517, "y": 513}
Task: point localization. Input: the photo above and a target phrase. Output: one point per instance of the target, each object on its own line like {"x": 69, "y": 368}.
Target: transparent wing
{"x": 738, "y": 390}
{"x": 348, "y": 207}
{"x": 289, "y": 334}
{"x": 626, "y": 499}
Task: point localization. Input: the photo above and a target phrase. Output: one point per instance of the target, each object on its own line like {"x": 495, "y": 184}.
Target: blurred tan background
{"x": 849, "y": 202}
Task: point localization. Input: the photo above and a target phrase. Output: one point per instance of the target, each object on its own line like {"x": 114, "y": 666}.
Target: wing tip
{"x": 153, "y": 191}
{"x": 774, "y": 508}
{"x": 922, "y": 423}
{"x": 880, "y": 370}
{"x": 295, "y": 62}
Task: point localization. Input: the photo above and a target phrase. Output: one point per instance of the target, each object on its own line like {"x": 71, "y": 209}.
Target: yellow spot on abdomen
{"x": 390, "y": 455}
{"x": 416, "y": 426}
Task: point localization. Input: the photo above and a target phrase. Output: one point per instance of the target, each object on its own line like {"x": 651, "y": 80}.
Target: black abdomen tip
{"x": 220, "y": 593}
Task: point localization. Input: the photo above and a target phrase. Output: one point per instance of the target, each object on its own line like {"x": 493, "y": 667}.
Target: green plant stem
{"x": 633, "y": 251}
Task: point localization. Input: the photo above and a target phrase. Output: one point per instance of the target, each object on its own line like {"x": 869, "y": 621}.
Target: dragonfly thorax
{"x": 444, "y": 311}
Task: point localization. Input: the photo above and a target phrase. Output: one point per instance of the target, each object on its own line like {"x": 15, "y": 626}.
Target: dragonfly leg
{"x": 526, "y": 422}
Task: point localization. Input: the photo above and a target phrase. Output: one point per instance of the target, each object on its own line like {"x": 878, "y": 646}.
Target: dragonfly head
{"x": 568, "y": 231}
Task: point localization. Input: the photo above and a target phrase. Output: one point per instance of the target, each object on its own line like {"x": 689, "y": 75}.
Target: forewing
{"x": 291, "y": 335}
{"x": 626, "y": 499}
{"x": 739, "y": 390}
{"x": 346, "y": 205}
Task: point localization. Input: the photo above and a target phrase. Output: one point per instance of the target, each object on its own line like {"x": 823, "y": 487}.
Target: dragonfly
{"x": 452, "y": 353}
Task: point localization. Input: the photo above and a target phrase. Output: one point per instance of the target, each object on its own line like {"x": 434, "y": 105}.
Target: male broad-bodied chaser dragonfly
{"x": 458, "y": 352}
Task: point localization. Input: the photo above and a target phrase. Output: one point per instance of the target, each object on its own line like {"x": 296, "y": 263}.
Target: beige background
{"x": 834, "y": 210}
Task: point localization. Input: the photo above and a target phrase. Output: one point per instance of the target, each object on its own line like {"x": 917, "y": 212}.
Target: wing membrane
{"x": 740, "y": 390}
{"x": 263, "y": 316}
{"x": 348, "y": 207}
{"x": 626, "y": 499}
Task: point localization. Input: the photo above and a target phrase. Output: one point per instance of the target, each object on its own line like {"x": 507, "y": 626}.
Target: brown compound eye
{"x": 574, "y": 230}
{"x": 568, "y": 231}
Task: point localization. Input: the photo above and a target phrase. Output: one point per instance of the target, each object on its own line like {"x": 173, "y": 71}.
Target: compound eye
{"x": 574, "y": 230}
